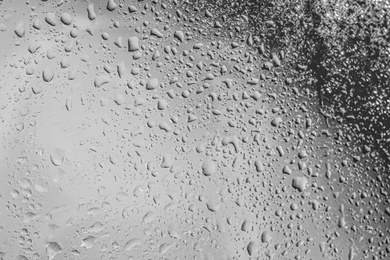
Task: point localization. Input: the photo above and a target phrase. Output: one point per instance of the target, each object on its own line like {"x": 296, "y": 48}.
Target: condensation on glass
{"x": 133, "y": 130}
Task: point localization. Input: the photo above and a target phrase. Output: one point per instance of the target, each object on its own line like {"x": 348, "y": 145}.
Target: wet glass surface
{"x": 133, "y": 130}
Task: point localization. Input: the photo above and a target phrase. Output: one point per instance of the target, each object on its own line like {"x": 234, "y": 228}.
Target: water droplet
{"x": 48, "y": 74}
{"x": 53, "y": 249}
{"x": 57, "y": 156}
{"x": 50, "y": 18}
{"x": 133, "y": 43}
{"x": 132, "y": 243}
{"x": 208, "y": 167}
{"x": 20, "y": 29}
{"x": 299, "y": 183}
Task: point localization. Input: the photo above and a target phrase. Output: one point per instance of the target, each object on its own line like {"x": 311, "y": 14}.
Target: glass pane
{"x": 143, "y": 130}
